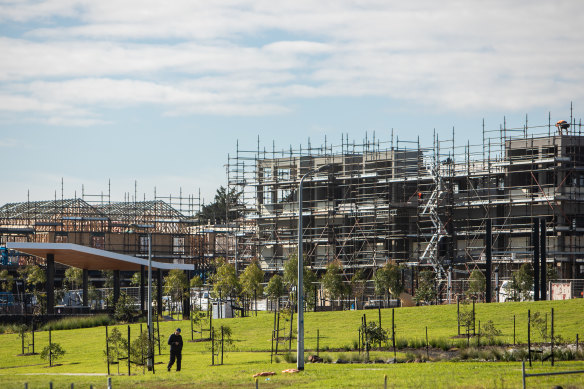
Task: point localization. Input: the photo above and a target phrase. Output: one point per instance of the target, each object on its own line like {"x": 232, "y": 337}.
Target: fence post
{"x": 529, "y": 335}
{"x": 212, "y": 347}
{"x": 50, "y": 352}
{"x": 107, "y": 351}
{"x": 109, "y": 382}
{"x": 427, "y": 349}
{"x": 458, "y": 314}
{"x": 552, "y": 345}
{"x": 129, "y": 373}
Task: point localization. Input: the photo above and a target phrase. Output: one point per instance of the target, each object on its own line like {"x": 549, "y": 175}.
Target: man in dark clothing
{"x": 176, "y": 343}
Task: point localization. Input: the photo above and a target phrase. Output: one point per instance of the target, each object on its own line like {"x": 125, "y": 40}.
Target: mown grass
{"x": 84, "y": 364}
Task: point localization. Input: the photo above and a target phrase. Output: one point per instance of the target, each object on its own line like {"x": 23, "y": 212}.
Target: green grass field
{"x": 84, "y": 363}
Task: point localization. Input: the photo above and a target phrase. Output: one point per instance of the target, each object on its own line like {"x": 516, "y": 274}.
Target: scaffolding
{"x": 119, "y": 226}
{"x": 423, "y": 206}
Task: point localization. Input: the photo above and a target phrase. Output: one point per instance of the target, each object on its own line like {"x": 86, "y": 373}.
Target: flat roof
{"x": 90, "y": 258}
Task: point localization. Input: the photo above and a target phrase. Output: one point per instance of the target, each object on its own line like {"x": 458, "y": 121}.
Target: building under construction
{"x": 177, "y": 234}
{"x": 417, "y": 204}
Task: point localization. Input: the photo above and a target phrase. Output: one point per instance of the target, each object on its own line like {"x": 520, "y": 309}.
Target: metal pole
{"x": 150, "y": 361}
{"x": 300, "y": 286}
{"x": 300, "y": 295}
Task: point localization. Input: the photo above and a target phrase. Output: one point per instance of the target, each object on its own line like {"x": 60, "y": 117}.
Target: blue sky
{"x": 159, "y": 92}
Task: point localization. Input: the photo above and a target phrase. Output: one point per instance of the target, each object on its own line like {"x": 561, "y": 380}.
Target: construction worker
{"x": 562, "y": 125}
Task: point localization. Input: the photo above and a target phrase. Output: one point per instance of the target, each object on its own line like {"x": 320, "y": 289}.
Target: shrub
{"x": 289, "y": 357}
{"x": 71, "y": 323}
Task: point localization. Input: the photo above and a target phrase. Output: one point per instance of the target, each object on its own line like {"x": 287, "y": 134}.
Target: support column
{"x": 142, "y": 290}
{"x": 85, "y": 287}
{"x": 50, "y": 284}
{"x": 543, "y": 265}
{"x": 116, "y": 287}
{"x": 535, "y": 241}
{"x": 488, "y": 270}
{"x": 187, "y": 300}
{"x": 159, "y": 294}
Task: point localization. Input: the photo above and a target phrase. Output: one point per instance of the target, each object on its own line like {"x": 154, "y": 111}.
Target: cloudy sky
{"x": 160, "y": 92}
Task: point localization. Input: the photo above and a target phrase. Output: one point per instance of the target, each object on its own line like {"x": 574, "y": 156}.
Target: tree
{"x": 124, "y": 309}
{"x": 387, "y": 279}
{"x": 7, "y": 280}
{"x": 225, "y": 282}
{"x": 310, "y": 279}
{"x": 426, "y": 291}
{"x": 135, "y": 280}
{"x": 34, "y": 276}
{"x": 52, "y": 352}
{"x": 358, "y": 284}
{"x": 275, "y": 288}
{"x": 477, "y": 283}
{"x": 175, "y": 284}
{"x": 217, "y": 210}
{"x": 196, "y": 281}
{"x": 522, "y": 282}
{"x": 332, "y": 281}
{"x": 251, "y": 281}
{"x": 73, "y": 277}
{"x": 291, "y": 276}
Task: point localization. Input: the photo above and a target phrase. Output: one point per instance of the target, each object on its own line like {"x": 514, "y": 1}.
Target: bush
{"x": 289, "y": 357}
{"x": 71, "y": 323}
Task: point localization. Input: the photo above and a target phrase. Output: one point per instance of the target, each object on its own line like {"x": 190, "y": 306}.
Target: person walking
{"x": 176, "y": 344}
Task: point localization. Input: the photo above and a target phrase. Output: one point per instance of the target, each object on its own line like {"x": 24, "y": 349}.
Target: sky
{"x": 137, "y": 95}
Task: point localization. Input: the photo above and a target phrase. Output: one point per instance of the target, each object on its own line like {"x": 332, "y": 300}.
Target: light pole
{"x": 300, "y": 287}
{"x": 150, "y": 359}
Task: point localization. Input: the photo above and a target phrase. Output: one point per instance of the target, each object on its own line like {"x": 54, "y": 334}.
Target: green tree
{"x": 291, "y": 278}
{"x": 73, "y": 277}
{"x": 196, "y": 281}
{"x": 52, "y": 352}
{"x": 275, "y": 288}
{"x": 175, "y": 284}
{"x": 217, "y": 210}
{"x": 332, "y": 281}
{"x": 7, "y": 280}
{"x": 225, "y": 281}
{"x": 358, "y": 284}
{"x": 522, "y": 282}
{"x": 34, "y": 276}
{"x": 124, "y": 309}
{"x": 426, "y": 291}
{"x": 135, "y": 280}
{"x": 477, "y": 283}
{"x": 251, "y": 281}
{"x": 387, "y": 279}
{"x": 310, "y": 279}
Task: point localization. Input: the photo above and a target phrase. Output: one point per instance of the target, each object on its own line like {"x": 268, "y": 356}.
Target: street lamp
{"x": 300, "y": 288}
{"x": 150, "y": 359}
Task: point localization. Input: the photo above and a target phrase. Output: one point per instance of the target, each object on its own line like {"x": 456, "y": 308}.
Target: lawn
{"x": 84, "y": 362}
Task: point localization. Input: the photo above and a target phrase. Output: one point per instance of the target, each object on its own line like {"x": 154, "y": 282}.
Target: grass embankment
{"x": 84, "y": 363}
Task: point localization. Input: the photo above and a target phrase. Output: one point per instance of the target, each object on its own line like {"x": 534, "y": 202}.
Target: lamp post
{"x": 300, "y": 287}
{"x": 150, "y": 359}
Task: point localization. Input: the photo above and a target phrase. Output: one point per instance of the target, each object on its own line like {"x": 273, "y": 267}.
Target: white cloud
{"x": 254, "y": 57}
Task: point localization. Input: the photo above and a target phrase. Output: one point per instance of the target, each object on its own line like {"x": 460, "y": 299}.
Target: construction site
{"x": 420, "y": 205}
